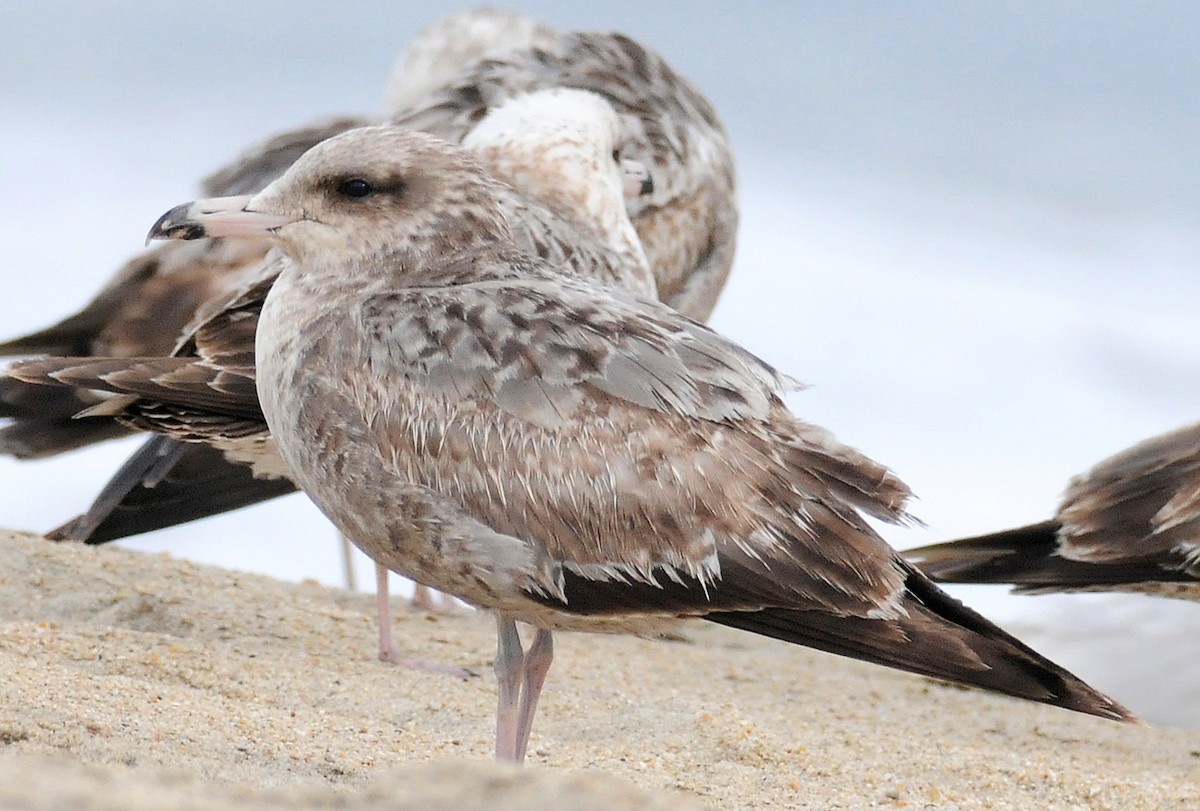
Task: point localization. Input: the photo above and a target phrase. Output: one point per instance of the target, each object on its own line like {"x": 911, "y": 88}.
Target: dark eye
{"x": 354, "y": 187}
{"x": 617, "y": 155}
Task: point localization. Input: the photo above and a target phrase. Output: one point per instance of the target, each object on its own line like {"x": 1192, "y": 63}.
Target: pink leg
{"x": 422, "y": 598}
{"x": 387, "y": 644}
{"x": 520, "y": 675}
{"x": 537, "y": 664}
{"x": 348, "y": 563}
{"x": 509, "y": 661}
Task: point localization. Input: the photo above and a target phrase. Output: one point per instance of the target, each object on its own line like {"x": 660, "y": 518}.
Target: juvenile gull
{"x": 1131, "y": 523}
{"x": 561, "y": 453}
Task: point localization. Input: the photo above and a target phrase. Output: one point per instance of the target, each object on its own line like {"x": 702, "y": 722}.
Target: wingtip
{"x": 1087, "y": 700}
{"x": 999, "y": 557}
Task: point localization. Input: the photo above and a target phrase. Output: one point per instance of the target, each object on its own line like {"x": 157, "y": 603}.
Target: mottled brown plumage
{"x": 688, "y": 225}
{"x": 1131, "y": 523}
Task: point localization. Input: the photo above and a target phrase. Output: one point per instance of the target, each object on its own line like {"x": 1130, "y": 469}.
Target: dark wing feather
{"x": 177, "y": 381}
{"x": 1029, "y": 557}
{"x": 42, "y": 420}
{"x": 1132, "y": 520}
{"x": 166, "y": 483}
{"x": 938, "y": 637}
{"x": 255, "y": 168}
{"x": 933, "y": 634}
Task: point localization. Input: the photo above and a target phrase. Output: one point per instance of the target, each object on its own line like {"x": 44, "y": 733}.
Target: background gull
{"x": 688, "y": 223}
{"x": 1131, "y": 523}
{"x": 559, "y": 452}
{"x": 439, "y": 53}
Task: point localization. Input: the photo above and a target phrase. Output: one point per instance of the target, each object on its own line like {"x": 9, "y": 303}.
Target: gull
{"x": 1131, "y": 523}
{"x": 688, "y": 224}
{"x": 558, "y": 452}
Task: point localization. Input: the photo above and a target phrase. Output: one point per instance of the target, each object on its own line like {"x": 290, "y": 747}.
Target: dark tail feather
{"x": 21, "y": 400}
{"x": 940, "y": 638}
{"x": 1028, "y": 558}
{"x": 166, "y": 483}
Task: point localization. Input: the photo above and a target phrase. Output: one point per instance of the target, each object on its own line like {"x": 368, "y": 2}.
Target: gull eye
{"x": 617, "y": 155}
{"x": 354, "y": 187}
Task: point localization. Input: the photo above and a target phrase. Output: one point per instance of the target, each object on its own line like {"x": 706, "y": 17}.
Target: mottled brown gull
{"x": 688, "y": 225}
{"x": 558, "y": 452}
{"x": 1131, "y": 523}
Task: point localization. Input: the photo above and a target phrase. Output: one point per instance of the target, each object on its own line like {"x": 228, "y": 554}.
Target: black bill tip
{"x": 176, "y": 224}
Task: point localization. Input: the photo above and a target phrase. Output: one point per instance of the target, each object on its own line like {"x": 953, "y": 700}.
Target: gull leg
{"x": 510, "y": 659}
{"x": 422, "y": 598}
{"x": 433, "y": 601}
{"x": 446, "y": 604}
{"x": 348, "y": 563}
{"x": 537, "y": 664}
{"x": 387, "y": 643}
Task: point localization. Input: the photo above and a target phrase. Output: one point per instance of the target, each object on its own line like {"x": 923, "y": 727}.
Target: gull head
{"x": 365, "y": 196}
{"x": 562, "y": 147}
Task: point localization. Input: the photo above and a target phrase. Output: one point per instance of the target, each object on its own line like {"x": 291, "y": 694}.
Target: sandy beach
{"x": 144, "y": 681}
